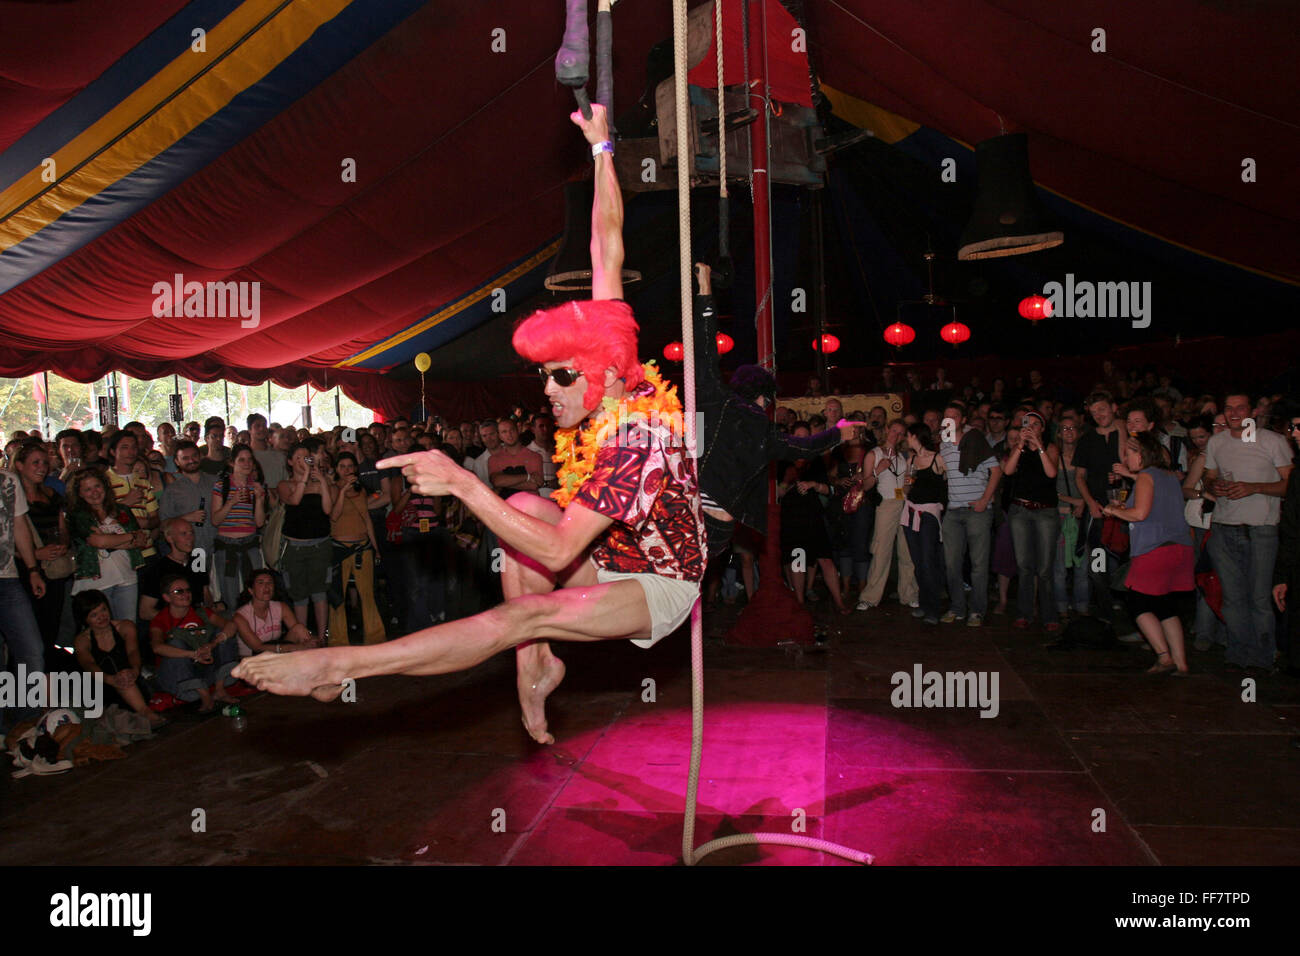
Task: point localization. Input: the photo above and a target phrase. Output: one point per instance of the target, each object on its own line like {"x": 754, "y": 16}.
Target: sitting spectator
{"x": 194, "y": 647}
{"x": 106, "y": 540}
{"x": 266, "y": 624}
{"x": 179, "y": 559}
{"x": 1160, "y": 549}
{"x": 110, "y": 647}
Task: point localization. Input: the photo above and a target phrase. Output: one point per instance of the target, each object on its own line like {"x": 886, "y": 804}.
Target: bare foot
{"x": 313, "y": 672}
{"x": 538, "y": 673}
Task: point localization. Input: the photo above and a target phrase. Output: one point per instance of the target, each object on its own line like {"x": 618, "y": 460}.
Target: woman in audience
{"x": 110, "y": 647}
{"x": 106, "y": 541}
{"x": 1160, "y": 550}
{"x": 888, "y": 463}
{"x": 922, "y": 518}
{"x": 355, "y": 548}
{"x": 308, "y": 499}
{"x": 194, "y": 647}
{"x": 51, "y": 541}
{"x": 1032, "y": 468}
{"x": 238, "y": 510}
{"x": 804, "y": 540}
{"x": 1071, "y": 543}
{"x": 265, "y": 623}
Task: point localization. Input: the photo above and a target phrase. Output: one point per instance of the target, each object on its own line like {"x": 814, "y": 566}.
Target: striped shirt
{"x": 964, "y": 490}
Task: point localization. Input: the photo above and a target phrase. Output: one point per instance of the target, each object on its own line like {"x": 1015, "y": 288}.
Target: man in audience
{"x": 1096, "y": 460}
{"x": 491, "y": 440}
{"x": 973, "y": 476}
{"x": 274, "y": 467}
{"x": 544, "y": 444}
{"x": 215, "y": 452}
{"x": 180, "y": 559}
{"x": 187, "y": 497}
{"x": 18, "y": 627}
{"x": 995, "y": 426}
{"x": 512, "y": 467}
{"x": 68, "y": 443}
{"x": 1248, "y": 467}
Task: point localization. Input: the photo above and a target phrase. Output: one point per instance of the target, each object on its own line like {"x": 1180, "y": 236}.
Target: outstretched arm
{"x": 706, "y": 328}
{"x": 606, "y": 211}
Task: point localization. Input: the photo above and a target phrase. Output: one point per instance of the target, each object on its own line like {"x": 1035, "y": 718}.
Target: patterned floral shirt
{"x": 646, "y": 482}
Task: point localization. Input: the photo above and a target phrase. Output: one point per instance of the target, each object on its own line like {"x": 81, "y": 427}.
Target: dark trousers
{"x": 927, "y": 556}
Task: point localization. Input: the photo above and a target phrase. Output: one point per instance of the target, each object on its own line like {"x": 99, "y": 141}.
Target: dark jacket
{"x": 738, "y": 439}
{"x": 1286, "y": 569}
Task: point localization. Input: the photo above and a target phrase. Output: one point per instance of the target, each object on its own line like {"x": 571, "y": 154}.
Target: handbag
{"x": 54, "y": 569}
{"x": 853, "y": 498}
{"x": 1195, "y": 516}
{"x": 273, "y": 537}
{"x": 1114, "y": 535}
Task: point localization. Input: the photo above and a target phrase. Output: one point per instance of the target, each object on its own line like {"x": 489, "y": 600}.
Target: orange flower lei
{"x": 576, "y": 448}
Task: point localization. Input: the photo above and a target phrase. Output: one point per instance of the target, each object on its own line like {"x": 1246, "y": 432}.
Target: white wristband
{"x": 605, "y": 146}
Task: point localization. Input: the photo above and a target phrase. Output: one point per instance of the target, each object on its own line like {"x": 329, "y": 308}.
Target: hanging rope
{"x": 690, "y": 855}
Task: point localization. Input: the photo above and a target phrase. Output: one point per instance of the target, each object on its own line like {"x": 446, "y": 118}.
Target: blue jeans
{"x": 1035, "y": 534}
{"x": 967, "y": 530}
{"x": 927, "y": 557}
{"x": 1082, "y": 584}
{"x": 19, "y": 631}
{"x": 123, "y": 601}
{"x": 1243, "y": 556}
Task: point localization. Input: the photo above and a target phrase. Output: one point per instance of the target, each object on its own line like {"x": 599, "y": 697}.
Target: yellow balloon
{"x": 423, "y": 361}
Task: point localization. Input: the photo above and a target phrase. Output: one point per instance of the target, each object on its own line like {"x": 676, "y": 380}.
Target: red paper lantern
{"x": 954, "y": 332}
{"x": 725, "y": 343}
{"x": 1036, "y": 307}
{"x": 899, "y": 334}
{"x": 674, "y": 351}
{"x": 828, "y": 344}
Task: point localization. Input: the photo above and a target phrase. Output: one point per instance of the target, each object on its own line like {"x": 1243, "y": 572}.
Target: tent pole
{"x": 226, "y": 386}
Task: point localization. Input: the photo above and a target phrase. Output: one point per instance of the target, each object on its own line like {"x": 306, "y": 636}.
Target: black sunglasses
{"x": 564, "y": 377}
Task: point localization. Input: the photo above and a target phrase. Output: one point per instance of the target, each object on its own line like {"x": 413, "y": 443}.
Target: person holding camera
{"x": 354, "y": 550}
{"x": 308, "y": 499}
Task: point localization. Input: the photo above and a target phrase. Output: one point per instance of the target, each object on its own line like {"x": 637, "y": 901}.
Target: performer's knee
{"x": 531, "y": 503}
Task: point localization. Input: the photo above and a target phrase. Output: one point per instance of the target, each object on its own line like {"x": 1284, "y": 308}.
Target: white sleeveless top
{"x": 264, "y": 628}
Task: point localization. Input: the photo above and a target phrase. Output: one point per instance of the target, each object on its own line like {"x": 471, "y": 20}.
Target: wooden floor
{"x": 1089, "y": 761}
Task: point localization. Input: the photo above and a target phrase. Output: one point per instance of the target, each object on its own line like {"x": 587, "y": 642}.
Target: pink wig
{"x": 595, "y": 333}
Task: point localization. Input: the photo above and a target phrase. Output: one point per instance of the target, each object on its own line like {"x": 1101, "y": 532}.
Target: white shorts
{"x": 669, "y": 599}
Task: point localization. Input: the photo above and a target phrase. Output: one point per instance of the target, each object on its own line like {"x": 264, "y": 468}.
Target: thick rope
{"x": 722, "y": 108}
{"x": 690, "y": 855}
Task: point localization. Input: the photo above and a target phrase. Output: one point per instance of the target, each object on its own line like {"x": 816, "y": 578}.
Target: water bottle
{"x": 237, "y": 712}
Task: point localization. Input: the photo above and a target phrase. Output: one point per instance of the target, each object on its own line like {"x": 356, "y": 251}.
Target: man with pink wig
{"x": 622, "y": 559}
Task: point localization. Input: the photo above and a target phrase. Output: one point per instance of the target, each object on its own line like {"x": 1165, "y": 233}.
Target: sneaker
{"x": 865, "y": 605}
{"x": 950, "y": 617}
{"x": 1133, "y": 637}
{"x": 914, "y": 604}
{"x": 930, "y": 619}
{"x": 918, "y": 613}
{"x": 974, "y": 621}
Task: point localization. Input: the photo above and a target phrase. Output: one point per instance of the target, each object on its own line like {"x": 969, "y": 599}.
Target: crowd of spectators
{"x": 216, "y": 542}
{"x": 1145, "y": 496}
{"x": 159, "y": 560}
